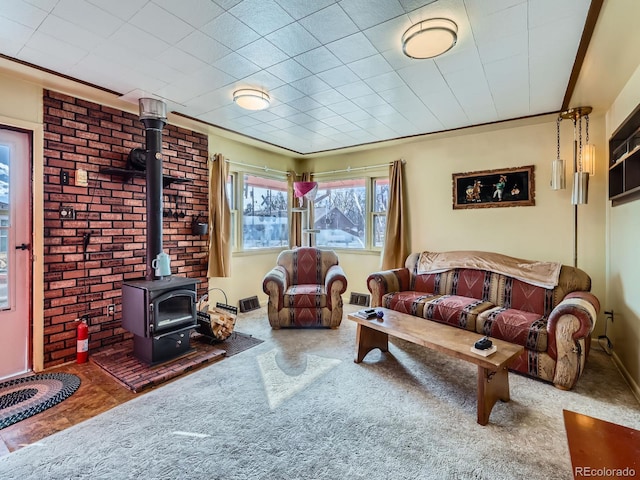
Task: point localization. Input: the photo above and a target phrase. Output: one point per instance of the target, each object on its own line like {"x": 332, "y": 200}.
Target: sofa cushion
{"x": 305, "y": 296}
{"x": 516, "y": 326}
{"x": 456, "y": 310}
{"x": 407, "y": 302}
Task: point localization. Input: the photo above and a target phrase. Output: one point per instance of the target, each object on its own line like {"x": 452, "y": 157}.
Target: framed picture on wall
{"x": 503, "y": 187}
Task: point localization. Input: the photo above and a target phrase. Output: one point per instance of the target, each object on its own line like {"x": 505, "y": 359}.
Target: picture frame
{"x": 502, "y": 187}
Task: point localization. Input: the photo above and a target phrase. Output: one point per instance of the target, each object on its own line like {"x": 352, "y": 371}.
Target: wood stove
{"x": 161, "y": 315}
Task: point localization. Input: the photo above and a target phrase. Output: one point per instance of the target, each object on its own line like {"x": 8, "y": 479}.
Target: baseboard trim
{"x": 635, "y": 388}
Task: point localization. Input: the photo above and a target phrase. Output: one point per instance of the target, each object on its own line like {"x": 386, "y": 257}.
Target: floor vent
{"x": 249, "y": 303}
{"x": 361, "y": 299}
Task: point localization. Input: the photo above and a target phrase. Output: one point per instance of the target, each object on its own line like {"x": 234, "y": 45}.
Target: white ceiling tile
{"x": 328, "y": 97}
{"x": 304, "y": 103}
{"x": 542, "y": 12}
{"x": 160, "y": 23}
{"x": 12, "y": 33}
{"x": 236, "y": 65}
{"x": 181, "y": 60}
{"x": 338, "y": 76}
{"x": 310, "y": 85}
{"x": 293, "y": 39}
{"x": 263, "y": 53}
{"x": 289, "y": 71}
{"x": 513, "y": 58}
{"x": 23, "y": 13}
{"x": 410, "y": 5}
{"x": 509, "y": 83}
{"x": 286, "y": 93}
{"x": 283, "y": 110}
{"x": 355, "y": 89}
{"x": 298, "y": 9}
{"x": 329, "y": 24}
{"x": 318, "y": 60}
{"x": 367, "y": 13}
{"x": 263, "y": 16}
{"x": 136, "y": 40}
{"x": 230, "y": 31}
{"x": 385, "y": 81}
{"x": 343, "y": 107}
{"x": 123, "y": 9}
{"x": 504, "y": 23}
{"x": 69, "y": 33}
{"x": 368, "y": 101}
{"x": 46, "y": 5}
{"x": 388, "y": 35}
{"x": 260, "y": 79}
{"x": 352, "y": 48}
{"x": 83, "y": 14}
{"x": 370, "y": 66}
{"x": 195, "y": 12}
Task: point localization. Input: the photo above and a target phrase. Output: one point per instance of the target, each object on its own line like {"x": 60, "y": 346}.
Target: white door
{"x": 15, "y": 252}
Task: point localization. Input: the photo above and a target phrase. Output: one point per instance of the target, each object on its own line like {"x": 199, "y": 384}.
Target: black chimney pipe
{"x": 153, "y": 116}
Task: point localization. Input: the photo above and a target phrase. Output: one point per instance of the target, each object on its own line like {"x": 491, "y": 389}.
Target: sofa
{"x": 544, "y": 306}
{"x": 305, "y": 289}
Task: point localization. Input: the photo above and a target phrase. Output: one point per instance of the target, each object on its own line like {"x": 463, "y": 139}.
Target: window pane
{"x": 379, "y": 228}
{"x": 264, "y": 206}
{"x": 340, "y": 211}
{"x": 381, "y": 194}
{"x": 230, "y": 188}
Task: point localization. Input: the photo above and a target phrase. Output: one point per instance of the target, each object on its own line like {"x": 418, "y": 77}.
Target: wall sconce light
{"x": 429, "y": 38}
{"x": 251, "y": 99}
{"x": 583, "y": 155}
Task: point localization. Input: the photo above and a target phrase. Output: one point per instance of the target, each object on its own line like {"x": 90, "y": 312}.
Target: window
{"x": 346, "y": 218}
{"x": 265, "y": 208}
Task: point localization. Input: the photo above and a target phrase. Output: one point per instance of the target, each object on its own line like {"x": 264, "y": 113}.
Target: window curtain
{"x": 219, "y": 219}
{"x": 396, "y": 238}
{"x": 295, "y": 225}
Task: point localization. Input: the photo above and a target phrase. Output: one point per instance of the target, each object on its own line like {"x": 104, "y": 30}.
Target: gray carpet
{"x": 297, "y": 407}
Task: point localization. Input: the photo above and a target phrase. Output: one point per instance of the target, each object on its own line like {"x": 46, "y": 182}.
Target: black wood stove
{"x": 161, "y": 315}
{"x": 159, "y": 311}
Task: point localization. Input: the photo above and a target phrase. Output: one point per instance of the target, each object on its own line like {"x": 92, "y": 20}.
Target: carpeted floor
{"x": 298, "y": 407}
{"x": 23, "y": 397}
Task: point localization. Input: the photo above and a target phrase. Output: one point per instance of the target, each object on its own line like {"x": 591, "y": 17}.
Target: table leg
{"x": 367, "y": 339}
{"x": 492, "y": 386}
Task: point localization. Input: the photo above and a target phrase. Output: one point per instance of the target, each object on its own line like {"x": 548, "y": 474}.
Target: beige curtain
{"x": 219, "y": 219}
{"x": 295, "y": 224}
{"x": 396, "y": 239}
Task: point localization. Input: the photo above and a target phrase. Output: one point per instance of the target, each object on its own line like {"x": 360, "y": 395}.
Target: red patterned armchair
{"x": 305, "y": 289}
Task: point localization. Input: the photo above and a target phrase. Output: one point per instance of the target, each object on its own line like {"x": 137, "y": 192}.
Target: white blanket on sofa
{"x": 542, "y": 274}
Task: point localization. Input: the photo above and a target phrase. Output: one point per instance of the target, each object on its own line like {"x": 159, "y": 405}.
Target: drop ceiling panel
{"x": 334, "y": 70}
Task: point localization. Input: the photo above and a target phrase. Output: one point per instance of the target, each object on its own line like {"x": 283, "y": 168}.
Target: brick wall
{"x": 83, "y": 135}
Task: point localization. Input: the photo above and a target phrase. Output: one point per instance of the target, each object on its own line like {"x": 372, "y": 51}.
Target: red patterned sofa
{"x": 305, "y": 289}
{"x": 545, "y": 307}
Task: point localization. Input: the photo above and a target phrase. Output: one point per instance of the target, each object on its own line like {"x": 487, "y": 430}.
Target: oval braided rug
{"x": 23, "y": 397}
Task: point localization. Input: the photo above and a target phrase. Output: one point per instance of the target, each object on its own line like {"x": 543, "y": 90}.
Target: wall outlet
{"x": 111, "y": 309}
{"x": 67, "y": 213}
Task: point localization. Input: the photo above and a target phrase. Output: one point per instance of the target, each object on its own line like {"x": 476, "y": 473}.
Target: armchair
{"x": 305, "y": 289}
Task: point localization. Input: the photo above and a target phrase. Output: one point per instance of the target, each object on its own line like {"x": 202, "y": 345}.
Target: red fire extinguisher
{"x": 83, "y": 341}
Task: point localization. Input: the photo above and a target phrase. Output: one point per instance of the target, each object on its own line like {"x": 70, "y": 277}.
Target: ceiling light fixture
{"x": 251, "y": 99}
{"x": 429, "y": 38}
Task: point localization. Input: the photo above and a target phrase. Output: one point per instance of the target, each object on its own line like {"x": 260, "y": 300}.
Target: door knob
{"x": 23, "y": 246}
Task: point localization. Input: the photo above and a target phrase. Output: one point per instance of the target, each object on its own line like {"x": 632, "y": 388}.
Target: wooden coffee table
{"x": 493, "y": 373}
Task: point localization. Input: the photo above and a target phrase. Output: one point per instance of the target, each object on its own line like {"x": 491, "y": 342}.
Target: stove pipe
{"x": 153, "y": 114}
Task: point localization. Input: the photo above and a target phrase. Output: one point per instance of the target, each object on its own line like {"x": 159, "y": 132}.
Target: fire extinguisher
{"x": 83, "y": 341}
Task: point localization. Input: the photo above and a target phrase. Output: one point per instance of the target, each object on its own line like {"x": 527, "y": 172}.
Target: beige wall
{"x": 540, "y": 232}
{"x": 624, "y": 260}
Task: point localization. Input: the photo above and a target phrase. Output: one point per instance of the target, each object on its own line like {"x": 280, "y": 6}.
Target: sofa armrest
{"x": 335, "y": 284}
{"x": 381, "y": 283}
{"x": 570, "y": 325}
{"x": 274, "y": 284}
